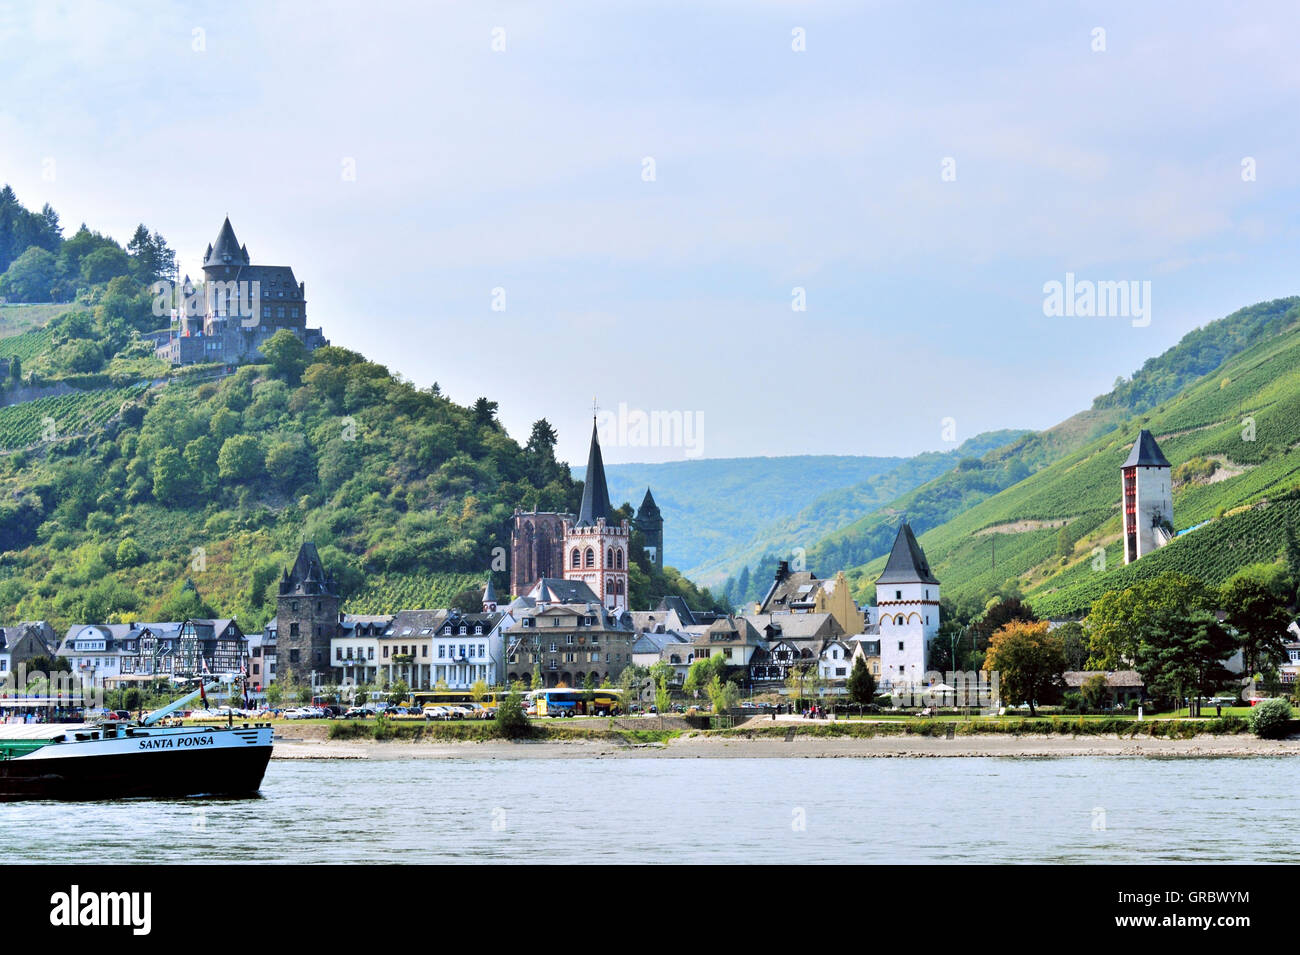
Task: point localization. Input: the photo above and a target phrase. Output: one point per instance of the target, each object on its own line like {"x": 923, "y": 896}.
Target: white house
{"x": 835, "y": 662}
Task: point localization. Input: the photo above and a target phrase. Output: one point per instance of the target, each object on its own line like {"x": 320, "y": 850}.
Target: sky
{"x": 551, "y": 204}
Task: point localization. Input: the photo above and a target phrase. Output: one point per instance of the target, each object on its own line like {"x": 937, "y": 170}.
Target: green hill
{"x": 1233, "y": 436}
{"x": 123, "y": 481}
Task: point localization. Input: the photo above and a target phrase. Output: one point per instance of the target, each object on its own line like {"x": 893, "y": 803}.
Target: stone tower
{"x": 307, "y": 617}
{"x": 1148, "y": 499}
{"x": 536, "y": 548}
{"x": 595, "y": 548}
{"x": 650, "y": 522}
{"x": 907, "y": 610}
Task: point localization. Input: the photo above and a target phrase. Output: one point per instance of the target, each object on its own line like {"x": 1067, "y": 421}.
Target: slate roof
{"x": 489, "y": 593}
{"x": 1146, "y": 453}
{"x": 409, "y": 623}
{"x": 907, "y": 563}
{"x": 648, "y": 510}
{"x": 797, "y": 626}
{"x": 678, "y": 605}
{"x": 595, "y": 492}
{"x": 226, "y": 250}
{"x": 308, "y": 576}
{"x": 559, "y": 590}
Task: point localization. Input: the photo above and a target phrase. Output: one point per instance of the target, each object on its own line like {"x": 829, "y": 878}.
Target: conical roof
{"x": 595, "y": 492}
{"x": 226, "y": 250}
{"x": 489, "y": 593}
{"x": 648, "y": 506}
{"x": 1146, "y": 453}
{"x": 907, "y": 563}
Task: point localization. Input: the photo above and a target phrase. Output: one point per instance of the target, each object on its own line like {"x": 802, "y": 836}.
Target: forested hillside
{"x": 131, "y": 492}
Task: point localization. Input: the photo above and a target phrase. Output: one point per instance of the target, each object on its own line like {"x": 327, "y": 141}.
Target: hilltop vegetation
{"x": 131, "y": 498}
{"x": 1055, "y": 534}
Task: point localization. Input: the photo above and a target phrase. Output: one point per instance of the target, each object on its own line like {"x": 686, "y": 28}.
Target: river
{"x": 811, "y": 811}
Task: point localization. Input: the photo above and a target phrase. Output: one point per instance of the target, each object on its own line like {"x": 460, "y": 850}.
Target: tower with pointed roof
{"x": 906, "y": 611}
{"x": 1147, "y": 498}
{"x": 307, "y": 618}
{"x": 649, "y": 521}
{"x": 489, "y": 597}
{"x": 595, "y": 546}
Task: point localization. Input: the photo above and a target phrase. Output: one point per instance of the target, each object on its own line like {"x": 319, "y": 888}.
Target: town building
{"x": 1147, "y": 499}
{"x": 241, "y": 305}
{"x": 565, "y": 634}
{"x": 22, "y": 642}
{"x": 111, "y": 654}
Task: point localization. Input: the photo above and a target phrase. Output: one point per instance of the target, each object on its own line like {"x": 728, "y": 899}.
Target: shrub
{"x": 1271, "y": 719}
{"x": 511, "y": 721}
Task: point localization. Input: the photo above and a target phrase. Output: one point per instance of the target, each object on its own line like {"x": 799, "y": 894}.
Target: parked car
{"x": 356, "y": 713}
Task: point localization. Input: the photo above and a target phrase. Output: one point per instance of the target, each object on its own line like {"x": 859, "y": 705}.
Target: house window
{"x": 900, "y": 646}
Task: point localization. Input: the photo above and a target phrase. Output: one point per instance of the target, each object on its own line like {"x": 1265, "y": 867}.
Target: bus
{"x": 566, "y": 702}
{"x": 422, "y": 699}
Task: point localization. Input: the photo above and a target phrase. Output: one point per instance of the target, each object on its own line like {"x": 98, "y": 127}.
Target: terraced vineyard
{"x": 1245, "y": 413}
{"x": 26, "y": 346}
{"x": 385, "y": 593}
{"x": 29, "y": 423}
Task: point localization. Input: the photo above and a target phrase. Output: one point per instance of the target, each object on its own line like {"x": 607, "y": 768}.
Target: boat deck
{"x": 42, "y": 731}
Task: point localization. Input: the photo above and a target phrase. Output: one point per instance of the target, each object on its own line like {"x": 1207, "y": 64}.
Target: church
{"x": 590, "y": 546}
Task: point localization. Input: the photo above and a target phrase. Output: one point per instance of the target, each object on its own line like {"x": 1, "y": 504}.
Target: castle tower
{"x": 595, "y": 548}
{"x": 489, "y": 597}
{"x": 1148, "y": 499}
{"x": 307, "y": 617}
{"x": 650, "y": 522}
{"x": 907, "y": 610}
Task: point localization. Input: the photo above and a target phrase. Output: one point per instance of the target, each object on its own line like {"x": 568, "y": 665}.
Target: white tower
{"x": 1148, "y": 499}
{"x": 906, "y": 611}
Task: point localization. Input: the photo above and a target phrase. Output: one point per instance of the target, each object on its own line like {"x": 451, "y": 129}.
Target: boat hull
{"x": 215, "y": 763}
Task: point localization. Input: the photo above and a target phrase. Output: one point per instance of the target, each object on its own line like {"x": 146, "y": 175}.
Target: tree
{"x": 1095, "y": 691}
{"x": 1028, "y": 660}
{"x": 128, "y": 553}
{"x": 240, "y": 458}
{"x": 589, "y": 681}
{"x": 1075, "y": 639}
{"x": 286, "y": 355}
{"x": 1121, "y": 620}
{"x": 804, "y": 680}
{"x": 724, "y": 696}
{"x": 398, "y": 692}
{"x": 478, "y": 690}
{"x": 30, "y": 277}
{"x": 702, "y": 673}
{"x": 1186, "y": 653}
{"x": 1260, "y": 619}
{"x": 511, "y": 721}
{"x": 537, "y": 682}
{"x": 861, "y": 684}
{"x": 171, "y": 477}
{"x": 105, "y": 263}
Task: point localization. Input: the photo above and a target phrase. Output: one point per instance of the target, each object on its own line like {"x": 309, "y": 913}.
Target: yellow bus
{"x": 423, "y": 699}
{"x": 566, "y": 702}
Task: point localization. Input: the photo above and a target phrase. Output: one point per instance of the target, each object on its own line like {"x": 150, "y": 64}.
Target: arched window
{"x": 899, "y": 620}
{"x": 618, "y": 588}
{"x": 577, "y": 558}
{"x": 618, "y": 558}
{"x": 609, "y": 557}
{"x": 609, "y": 586}
{"x": 591, "y": 557}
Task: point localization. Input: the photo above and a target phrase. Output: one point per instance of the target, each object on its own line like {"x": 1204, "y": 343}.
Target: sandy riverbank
{"x": 699, "y": 746}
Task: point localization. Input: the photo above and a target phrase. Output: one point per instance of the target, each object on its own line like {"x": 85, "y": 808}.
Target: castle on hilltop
{"x": 589, "y": 546}
{"x": 241, "y": 305}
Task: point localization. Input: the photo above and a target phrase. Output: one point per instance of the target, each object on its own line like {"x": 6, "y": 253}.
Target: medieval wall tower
{"x": 1147, "y": 498}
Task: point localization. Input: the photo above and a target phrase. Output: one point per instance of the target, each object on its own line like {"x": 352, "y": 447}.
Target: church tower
{"x": 595, "y": 548}
{"x": 1148, "y": 499}
{"x": 650, "y": 522}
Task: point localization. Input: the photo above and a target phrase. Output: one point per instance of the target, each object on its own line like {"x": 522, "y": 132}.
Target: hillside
{"x": 131, "y": 490}
{"x": 1233, "y": 436}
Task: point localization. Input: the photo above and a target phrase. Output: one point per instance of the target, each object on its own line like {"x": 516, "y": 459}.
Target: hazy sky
{"x": 823, "y": 169}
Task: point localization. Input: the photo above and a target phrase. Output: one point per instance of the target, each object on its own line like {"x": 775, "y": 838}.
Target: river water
{"x": 696, "y": 810}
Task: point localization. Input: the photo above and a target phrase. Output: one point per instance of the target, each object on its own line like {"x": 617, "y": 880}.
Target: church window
{"x": 577, "y": 559}
{"x": 609, "y": 557}
{"x": 618, "y": 587}
{"x": 609, "y": 586}
{"x": 618, "y": 557}
{"x": 591, "y": 557}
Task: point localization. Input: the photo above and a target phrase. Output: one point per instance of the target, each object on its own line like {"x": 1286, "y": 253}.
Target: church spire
{"x": 595, "y": 492}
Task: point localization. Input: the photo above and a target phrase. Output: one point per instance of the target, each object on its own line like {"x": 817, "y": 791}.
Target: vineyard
{"x": 1245, "y": 415}
{"x": 26, "y": 346}
{"x": 45, "y": 419}
{"x": 388, "y": 593}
